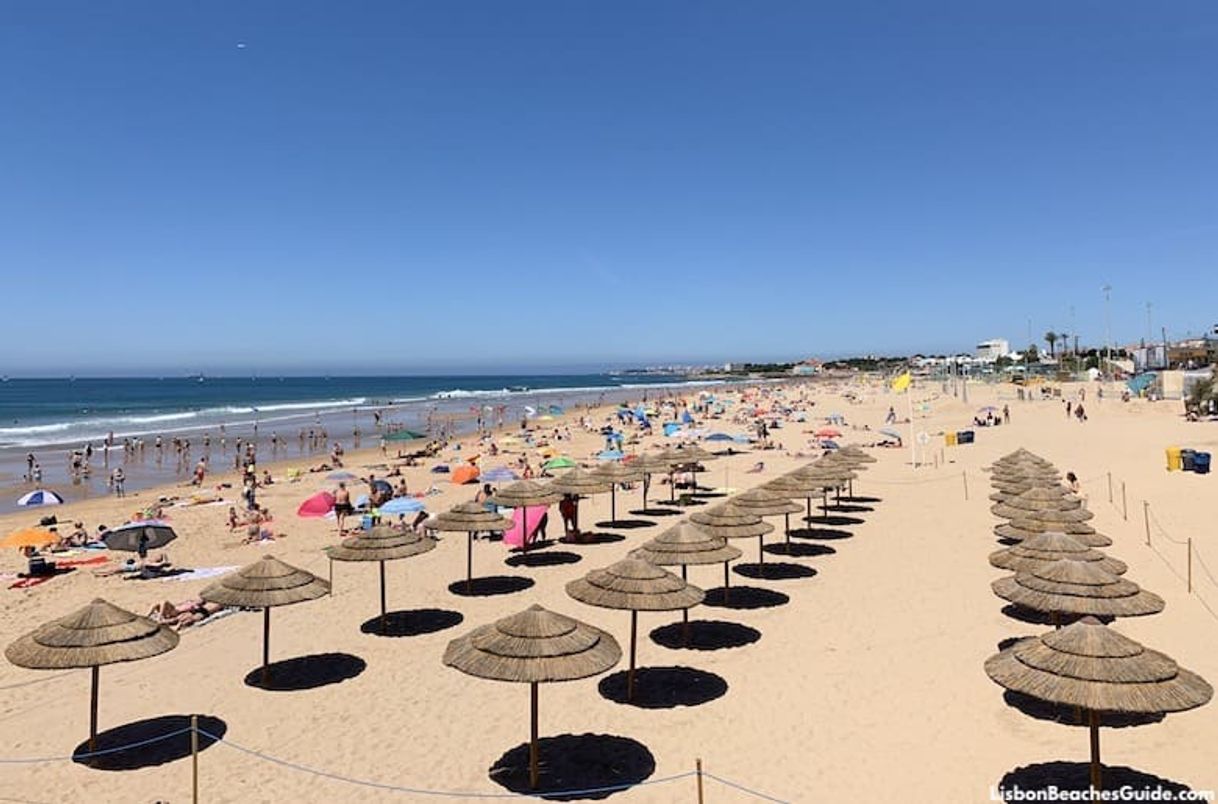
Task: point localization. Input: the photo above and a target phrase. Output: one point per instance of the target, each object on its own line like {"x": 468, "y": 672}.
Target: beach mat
{"x": 26, "y": 583}
{"x": 82, "y": 562}
{"x": 199, "y": 574}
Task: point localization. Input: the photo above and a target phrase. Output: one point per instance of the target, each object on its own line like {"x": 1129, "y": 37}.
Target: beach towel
{"x": 81, "y": 562}
{"x": 200, "y": 574}
{"x": 26, "y": 583}
{"x": 513, "y": 536}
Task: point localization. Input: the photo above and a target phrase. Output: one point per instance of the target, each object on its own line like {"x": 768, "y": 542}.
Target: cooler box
{"x": 1173, "y": 459}
{"x": 1201, "y": 463}
{"x": 964, "y": 437}
{"x": 951, "y": 439}
{"x": 1187, "y": 458}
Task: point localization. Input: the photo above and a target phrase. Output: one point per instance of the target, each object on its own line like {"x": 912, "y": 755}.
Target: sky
{"x": 420, "y": 186}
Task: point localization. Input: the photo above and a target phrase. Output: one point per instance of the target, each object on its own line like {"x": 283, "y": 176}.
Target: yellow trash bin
{"x": 951, "y": 442}
{"x": 1173, "y": 459}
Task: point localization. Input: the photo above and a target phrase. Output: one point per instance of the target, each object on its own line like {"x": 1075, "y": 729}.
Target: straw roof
{"x": 855, "y": 453}
{"x": 266, "y": 583}
{"x": 1050, "y": 517}
{"x": 765, "y": 502}
{"x": 1077, "y": 587}
{"x": 728, "y": 521}
{"x": 523, "y": 493}
{"x": 633, "y": 583}
{"x": 800, "y": 485}
{"x": 686, "y": 544}
{"x": 692, "y": 453}
{"x": 100, "y": 633}
{"x": 1045, "y": 548}
{"x": 656, "y": 462}
{"x": 1089, "y": 665}
{"x": 382, "y": 543}
{"x": 535, "y": 645}
{"x": 1020, "y": 529}
{"x": 1046, "y": 498}
{"x": 469, "y": 517}
{"x": 617, "y": 472}
{"x": 581, "y": 481}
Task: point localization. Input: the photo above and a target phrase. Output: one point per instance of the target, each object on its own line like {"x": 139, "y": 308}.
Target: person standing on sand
{"x": 117, "y": 478}
{"x": 342, "y": 506}
{"x": 1006, "y": 414}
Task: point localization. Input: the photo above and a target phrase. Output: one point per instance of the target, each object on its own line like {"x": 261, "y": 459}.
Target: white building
{"x": 991, "y": 350}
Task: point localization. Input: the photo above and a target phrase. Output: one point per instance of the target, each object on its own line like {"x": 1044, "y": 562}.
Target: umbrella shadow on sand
{"x": 821, "y": 534}
{"x": 832, "y": 520}
{"x": 1075, "y": 776}
{"x": 1069, "y": 715}
{"x": 571, "y": 763}
{"x": 705, "y": 635}
{"x": 107, "y": 755}
{"x": 593, "y": 537}
{"x": 744, "y": 597}
{"x": 544, "y": 558}
{"x": 664, "y": 687}
{"x": 416, "y": 622}
{"x": 307, "y": 672}
{"x": 774, "y": 571}
{"x": 625, "y": 524}
{"x": 799, "y": 550}
{"x": 647, "y": 512}
{"x": 862, "y": 500}
{"x": 1034, "y": 617}
{"x": 850, "y": 508}
{"x": 491, "y": 585}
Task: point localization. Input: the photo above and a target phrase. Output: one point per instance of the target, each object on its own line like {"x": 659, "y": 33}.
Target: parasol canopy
{"x": 1077, "y": 587}
{"x": 1045, "y": 548}
{"x": 685, "y": 544}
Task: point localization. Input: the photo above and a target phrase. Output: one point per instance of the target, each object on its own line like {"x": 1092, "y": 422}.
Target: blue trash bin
{"x": 1201, "y": 463}
{"x": 1188, "y": 458}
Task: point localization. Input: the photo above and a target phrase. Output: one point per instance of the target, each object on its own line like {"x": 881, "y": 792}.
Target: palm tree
{"x": 1064, "y": 337}
{"x": 1051, "y": 339}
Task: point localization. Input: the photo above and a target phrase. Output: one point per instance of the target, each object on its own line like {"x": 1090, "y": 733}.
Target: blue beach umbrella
{"x": 500, "y": 474}
{"x": 891, "y": 434}
{"x": 719, "y": 437}
{"x": 610, "y": 455}
{"x": 402, "y": 505}
{"x": 39, "y": 497}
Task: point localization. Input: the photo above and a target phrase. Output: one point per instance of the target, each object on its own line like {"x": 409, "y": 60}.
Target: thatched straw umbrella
{"x": 266, "y": 583}
{"x": 1081, "y": 532}
{"x": 522, "y": 494}
{"x": 763, "y": 502}
{"x": 1035, "y": 500}
{"x": 381, "y": 544}
{"x": 470, "y": 518}
{"x": 842, "y": 464}
{"x": 693, "y": 455}
{"x": 1077, "y": 587}
{"x": 1090, "y": 666}
{"x": 581, "y": 483}
{"x": 803, "y": 484}
{"x": 614, "y": 473}
{"x": 1053, "y": 519}
{"x": 727, "y": 521}
{"x": 1045, "y": 548}
{"x": 686, "y": 544}
{"x": 856, "y": 454}
{"x": 649, "y": 464}
{"x": 637, "y": 585}
{"x": 100, "y": 633}
{"x": 535, "y": 646}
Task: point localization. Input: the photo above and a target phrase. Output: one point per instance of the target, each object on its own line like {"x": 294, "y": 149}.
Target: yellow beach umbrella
{"x": 28, "y": 537}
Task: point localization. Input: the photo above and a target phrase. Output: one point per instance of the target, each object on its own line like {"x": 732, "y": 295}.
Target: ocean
{"x": 51, "y": 417}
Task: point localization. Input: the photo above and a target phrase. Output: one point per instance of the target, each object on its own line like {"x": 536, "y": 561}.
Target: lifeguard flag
{"x": 901, "y": 383}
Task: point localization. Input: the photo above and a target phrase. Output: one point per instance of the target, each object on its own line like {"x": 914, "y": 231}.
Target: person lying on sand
{"x": 184, "y": 614}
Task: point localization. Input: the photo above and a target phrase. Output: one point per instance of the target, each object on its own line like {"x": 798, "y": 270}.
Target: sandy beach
{"x": 865, "y": 683}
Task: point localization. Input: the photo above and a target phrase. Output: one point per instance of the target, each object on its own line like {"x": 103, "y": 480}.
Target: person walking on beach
{"x": 342, "y": 506}
{"x": 891, "y": 418}
{"x": 1006, "y": 414}
{"x": 200, "y": 472}
{"x": 29, "y": 466}
{"x": 1069, "y": 405}
{"x": 1079, "y": 413}
{"x": 117, "y": 478}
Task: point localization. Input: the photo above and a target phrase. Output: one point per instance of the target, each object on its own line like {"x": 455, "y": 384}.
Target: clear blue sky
{"x": 419, "y": 185}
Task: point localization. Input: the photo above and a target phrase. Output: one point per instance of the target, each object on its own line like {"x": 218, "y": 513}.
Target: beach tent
{"x": 720, "y": 437}
{"x": 318, "y": 505}
{"x": 514, "y": 536}
{"x": 465, "y": 474}
{"x": 39, "y": 497}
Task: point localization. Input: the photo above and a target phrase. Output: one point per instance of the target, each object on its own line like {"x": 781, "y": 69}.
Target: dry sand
{"x": 867, "y": 685}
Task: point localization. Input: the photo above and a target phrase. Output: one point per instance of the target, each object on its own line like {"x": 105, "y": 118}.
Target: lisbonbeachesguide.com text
{"x": 1122, "y": 793}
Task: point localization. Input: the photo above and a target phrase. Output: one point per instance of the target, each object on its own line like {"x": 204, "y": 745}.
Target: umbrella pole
{"x": 1093, "y": 721}
{"x": 761, "y": 549}
{"x": 727, "y": 583}
{"x": 646, "y": 486}
{"x": 93, "y": 708}
{"x": 786, "y": 529}
{"x": 685, "y": 612}
{"x": 613, "y": 503}
{"x": 469, "y": 561}
{"x": 533, "y": 771}
{"x": 672, "y": 487}
{"x": 808, "y": 502}
{"x": 266, "y": 644}
{"x": 634, "y": 633}
{"x": 382, "y": 624}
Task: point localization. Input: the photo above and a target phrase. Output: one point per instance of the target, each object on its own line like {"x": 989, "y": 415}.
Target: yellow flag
{"x": 901, "y": 383}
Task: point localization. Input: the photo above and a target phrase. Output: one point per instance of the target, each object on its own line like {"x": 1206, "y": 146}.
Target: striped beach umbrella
{"x": 39, "y": 497}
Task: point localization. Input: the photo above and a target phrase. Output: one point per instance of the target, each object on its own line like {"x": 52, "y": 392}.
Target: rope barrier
{"x": 743, "y": 789}
{"x": 215, "y": 739}
{"x": 103, "y": 752}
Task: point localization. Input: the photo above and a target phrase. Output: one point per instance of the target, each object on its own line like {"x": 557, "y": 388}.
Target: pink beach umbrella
{"x": 316, "y": 506}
